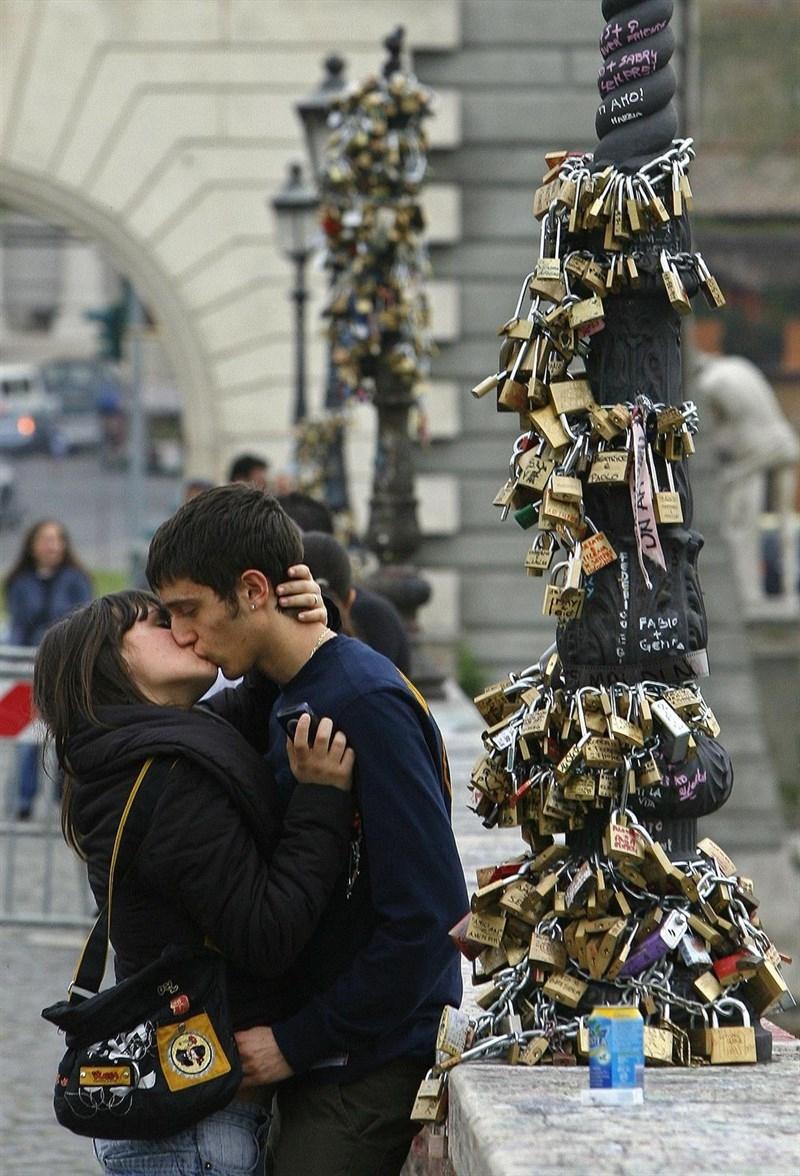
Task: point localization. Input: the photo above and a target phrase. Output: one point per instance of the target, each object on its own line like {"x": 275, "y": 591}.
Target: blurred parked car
{"x": 91, "y": 403}
{"x": 28, "y": 412}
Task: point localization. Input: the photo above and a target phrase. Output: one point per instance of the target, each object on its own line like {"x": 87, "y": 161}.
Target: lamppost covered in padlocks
{"x": 375, "y": 163}
{"x": 603, "y": 751}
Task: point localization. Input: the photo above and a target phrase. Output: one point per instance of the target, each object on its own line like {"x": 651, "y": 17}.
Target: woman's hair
{"x": 79, "y": 667}
{"x": 25, "y": 561}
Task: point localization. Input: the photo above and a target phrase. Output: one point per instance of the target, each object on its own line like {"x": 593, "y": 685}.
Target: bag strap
{"x": 133, "y": 824}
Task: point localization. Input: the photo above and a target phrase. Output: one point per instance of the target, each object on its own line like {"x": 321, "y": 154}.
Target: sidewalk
{"x": 519, "y": 1121}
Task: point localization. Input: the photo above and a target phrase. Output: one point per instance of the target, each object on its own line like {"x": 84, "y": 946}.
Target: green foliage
{"x": 108, "y": 580}
{"x": 469, "y": 673}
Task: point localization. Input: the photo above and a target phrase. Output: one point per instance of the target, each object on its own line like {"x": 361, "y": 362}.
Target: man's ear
{"x": 351, "y": 595}
{"x": 254, "y": 590}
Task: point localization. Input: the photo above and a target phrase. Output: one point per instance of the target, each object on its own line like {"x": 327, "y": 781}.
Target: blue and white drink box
{"x": 616, "y": 1056}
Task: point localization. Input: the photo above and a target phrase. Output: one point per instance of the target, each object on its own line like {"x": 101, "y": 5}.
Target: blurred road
{"x": 93, "y": 504}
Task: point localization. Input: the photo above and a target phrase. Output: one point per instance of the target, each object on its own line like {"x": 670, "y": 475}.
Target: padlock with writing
{"x": 430, "y": 1104}
{"x": 610, "y": 466}
{"x": 673, "y": 732}
{"x": 540, "y": 556}
{"x": 666, "y": 503}
{"x": 565, "y": 600}
{"x": 572, "y": 395}
{"x": 730, "y": 1045}
{"x": 676, "y": 292}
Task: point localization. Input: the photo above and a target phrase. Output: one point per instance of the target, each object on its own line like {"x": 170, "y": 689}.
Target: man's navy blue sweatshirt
{"x": 371, "y": 985}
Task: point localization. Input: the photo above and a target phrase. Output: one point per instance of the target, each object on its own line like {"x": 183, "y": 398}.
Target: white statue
{"x": 758, "y": 451}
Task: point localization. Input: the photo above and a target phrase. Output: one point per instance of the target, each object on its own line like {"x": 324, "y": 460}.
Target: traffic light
{"x": 112, "y": 321}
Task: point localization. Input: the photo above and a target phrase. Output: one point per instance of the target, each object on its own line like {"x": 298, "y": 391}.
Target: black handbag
{"x": 155, "y": 1053}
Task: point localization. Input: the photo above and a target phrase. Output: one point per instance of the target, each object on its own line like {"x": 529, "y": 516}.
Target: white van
{"x": 27, "y": 411}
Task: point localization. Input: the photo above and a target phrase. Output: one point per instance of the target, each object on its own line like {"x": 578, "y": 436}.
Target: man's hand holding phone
{"x": 317, "y": 754}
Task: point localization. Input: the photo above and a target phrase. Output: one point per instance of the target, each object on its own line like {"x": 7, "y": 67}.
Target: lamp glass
{"x": 295, "y": 208}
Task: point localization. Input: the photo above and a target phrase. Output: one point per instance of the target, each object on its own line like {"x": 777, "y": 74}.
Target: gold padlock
{"x": 666, "y": 503}
{"x": 540, "y": 556}
{"x": 565, "y": 601}
{"x": 571, "y": 396}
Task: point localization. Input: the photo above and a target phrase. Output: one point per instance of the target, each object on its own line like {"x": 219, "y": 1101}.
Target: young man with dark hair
{"x": 368, "y": 992}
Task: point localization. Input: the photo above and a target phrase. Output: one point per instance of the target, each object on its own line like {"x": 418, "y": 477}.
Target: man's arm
{"x": 416, "y": 885}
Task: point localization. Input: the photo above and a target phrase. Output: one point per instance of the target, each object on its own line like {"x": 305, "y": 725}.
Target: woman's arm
{"x": 200, "y": 853}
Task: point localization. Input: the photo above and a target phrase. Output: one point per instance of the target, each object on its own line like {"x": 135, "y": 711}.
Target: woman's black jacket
{"x": 214, "y": 863}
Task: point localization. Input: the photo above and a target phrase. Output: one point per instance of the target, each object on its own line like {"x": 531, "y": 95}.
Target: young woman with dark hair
{"x": 45, "y": 583}
{"x": 115, "y": 689}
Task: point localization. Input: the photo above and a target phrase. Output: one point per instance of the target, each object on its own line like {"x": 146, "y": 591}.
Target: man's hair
{"x": 309, "y": 513}
{"x": 243, "y": 466}
{"x": 215, "y": 537}
{"x": 329, "y": 563}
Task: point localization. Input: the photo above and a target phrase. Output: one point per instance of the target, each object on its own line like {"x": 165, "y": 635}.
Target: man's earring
{"x": 253, "y": 607}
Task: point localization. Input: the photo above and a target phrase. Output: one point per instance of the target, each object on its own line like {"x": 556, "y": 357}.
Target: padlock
{"x": 550, "y": 425}
{"x": 657, "y": 1045}
{"x": 624, "y": 730}
{"x": 540, "y": 556}
{"x": 430, "y": 1104}
{"x": 610, "y": 467}
{"x": 532, "y": 468}
{"x": 573, "y": 395}
{"x": 596, "y": 550}
{"x": 666, "y": 503}
{"x": 655, "y": 205}
{"x": 676, "y": 292}
{"x": 455, "y": 1030}
{"x": 654, "y": 946}
{"x": 585, "y": 312}
{"x": 565, "y": 601}
{"x": 622, "y": 842}
{"x": 765, "y": 988}
{"x": 729, "y": 1045}
{"x": 709, "y": 284}
{"x": 648, "y": 773}
{"x": 673, "y": 732}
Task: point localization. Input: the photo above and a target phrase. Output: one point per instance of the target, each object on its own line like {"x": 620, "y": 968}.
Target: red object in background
{"x": 16, "y": 709}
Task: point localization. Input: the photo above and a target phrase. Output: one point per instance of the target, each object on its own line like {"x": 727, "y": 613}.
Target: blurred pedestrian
{"x": 45, "y": 583}
{"x": 758, "y": 452}
{"x": 249, "y": 468}
{"x": 372, "y": 617}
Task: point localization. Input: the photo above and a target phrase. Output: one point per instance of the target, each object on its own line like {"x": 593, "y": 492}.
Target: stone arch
{"x": 41, "y": 195}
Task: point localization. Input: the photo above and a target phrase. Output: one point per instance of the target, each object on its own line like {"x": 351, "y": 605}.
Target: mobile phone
{"x": 288, "y": 718}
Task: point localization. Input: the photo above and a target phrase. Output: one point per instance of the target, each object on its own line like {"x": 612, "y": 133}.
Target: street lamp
{"x": 295, "y": 208}
{"x": 313, "y": 112}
